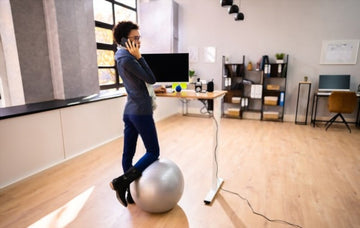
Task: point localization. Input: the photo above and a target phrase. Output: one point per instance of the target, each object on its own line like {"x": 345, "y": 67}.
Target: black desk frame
{"x": 315, "y": 104}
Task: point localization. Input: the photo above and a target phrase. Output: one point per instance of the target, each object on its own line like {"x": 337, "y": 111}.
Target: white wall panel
{"x": 88, "y": 126}
{"x": 29, "y": 144}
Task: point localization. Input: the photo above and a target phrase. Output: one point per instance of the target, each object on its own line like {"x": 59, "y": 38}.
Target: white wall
{"x": 164, "y": 23}
{"x": 10, "y": 74}
{"x": 294, "y": 27}
{"x": 4, "y": 94}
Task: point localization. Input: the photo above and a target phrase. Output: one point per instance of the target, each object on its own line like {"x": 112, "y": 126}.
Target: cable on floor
{"x": 237, "y": 194}
{"x": 259, "y": 214}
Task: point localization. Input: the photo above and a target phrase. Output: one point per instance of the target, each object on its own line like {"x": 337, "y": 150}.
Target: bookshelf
{"x": 232, "y": 82}
{"x": 254, "y": 94}
{"x": 274, "y": 91}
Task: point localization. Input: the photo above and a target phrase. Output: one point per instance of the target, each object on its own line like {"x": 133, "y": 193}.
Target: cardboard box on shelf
{"x": 233, "y": 112}
{"x": 236, "y": 100}
{"x": 270, "y": 100}
{"x": 270, "y": 115}
{"x": 273, "y": 87}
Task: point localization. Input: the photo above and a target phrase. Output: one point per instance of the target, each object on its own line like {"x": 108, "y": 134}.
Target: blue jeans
{"x": 144, "y": 126}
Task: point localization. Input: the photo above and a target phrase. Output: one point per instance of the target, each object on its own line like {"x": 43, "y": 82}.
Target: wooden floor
{"x": 300, "y": 174}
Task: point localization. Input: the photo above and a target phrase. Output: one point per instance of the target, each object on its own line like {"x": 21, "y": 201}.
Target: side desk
{"x": 216, "y": 96}
{"x": 318, "y": 95}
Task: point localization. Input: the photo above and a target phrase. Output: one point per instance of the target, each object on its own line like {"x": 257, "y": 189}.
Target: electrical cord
{"x": 205, "y": 107}
{"x": 216, "y": 145}
{"x": 259, "y": 214}
{"x": 237, "y": 194}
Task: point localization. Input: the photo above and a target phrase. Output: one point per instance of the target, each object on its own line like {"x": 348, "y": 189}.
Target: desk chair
{"x": 341, "y": 102}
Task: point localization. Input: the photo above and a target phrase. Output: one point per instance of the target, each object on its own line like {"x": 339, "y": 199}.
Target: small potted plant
{"x": 191, "y": 75}
{"x": 279, "y": 57}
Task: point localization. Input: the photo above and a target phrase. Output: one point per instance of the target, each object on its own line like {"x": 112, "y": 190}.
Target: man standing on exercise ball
{"x": 138, "y": 113}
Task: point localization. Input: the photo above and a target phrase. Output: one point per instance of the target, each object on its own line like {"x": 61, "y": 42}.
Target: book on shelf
{"x": 256, "y": 91}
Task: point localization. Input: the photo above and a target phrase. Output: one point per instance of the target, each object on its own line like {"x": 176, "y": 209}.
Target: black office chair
{"x": 341, "y": 102}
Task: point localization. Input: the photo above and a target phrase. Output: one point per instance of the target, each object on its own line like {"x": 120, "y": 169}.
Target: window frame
{"x": 112, "y": 47}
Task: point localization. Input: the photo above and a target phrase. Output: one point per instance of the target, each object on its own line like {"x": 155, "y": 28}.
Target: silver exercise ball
{"x": 159, "y": 188}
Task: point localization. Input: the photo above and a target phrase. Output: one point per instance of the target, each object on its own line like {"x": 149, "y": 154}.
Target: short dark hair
{"x": 122, "y": 29}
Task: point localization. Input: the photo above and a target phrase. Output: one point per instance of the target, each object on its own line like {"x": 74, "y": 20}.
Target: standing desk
{"x": 216, "y": 96}
{"x": 318, "y": 95}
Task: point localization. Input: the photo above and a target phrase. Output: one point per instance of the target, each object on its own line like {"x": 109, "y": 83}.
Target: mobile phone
{"x": 123, "y": 41}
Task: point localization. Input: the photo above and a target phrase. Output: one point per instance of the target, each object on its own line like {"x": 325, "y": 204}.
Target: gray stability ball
{"x": 159, "y": 188}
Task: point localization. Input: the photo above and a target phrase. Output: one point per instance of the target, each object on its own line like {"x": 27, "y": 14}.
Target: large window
{"x": 107, "y": 13}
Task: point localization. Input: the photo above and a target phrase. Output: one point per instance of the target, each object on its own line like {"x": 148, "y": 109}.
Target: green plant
{"x": 279, "y": 55}
{"x": 191, "y": 73}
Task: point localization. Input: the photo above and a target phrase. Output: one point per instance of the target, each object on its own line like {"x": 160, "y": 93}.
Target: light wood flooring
{"x": 296, "y": 173}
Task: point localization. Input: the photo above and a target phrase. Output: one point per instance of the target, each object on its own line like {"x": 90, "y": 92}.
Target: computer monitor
{"x": 334, "y": 83}
{"x": 169, "y": 67}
